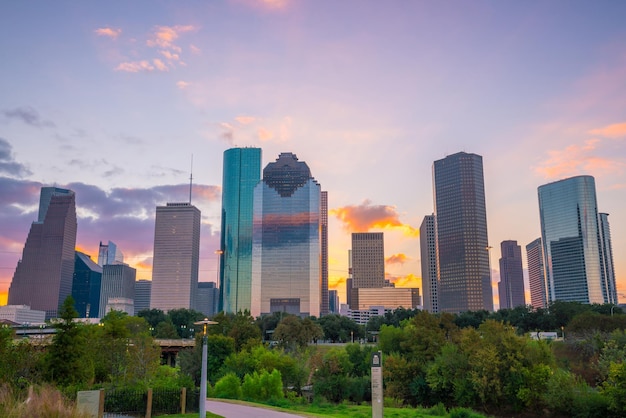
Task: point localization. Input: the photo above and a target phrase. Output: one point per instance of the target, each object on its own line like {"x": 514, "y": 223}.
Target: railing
{"x": 151, "y": 402}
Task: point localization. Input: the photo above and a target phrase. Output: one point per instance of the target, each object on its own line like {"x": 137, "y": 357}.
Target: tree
{"x": 183, "y": 321}
{"x": 153, "y": 317}
{"x": 66, "y": 361}
{"x": 294, "y": 332}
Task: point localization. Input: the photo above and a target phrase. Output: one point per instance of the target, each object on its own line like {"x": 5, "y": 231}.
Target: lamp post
{"x": 202, "y": 403}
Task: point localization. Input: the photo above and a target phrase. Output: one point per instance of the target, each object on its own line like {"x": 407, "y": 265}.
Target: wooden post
{"x": 149, "y": 404}
{"x": 101, "y": 405}
{"x": 183, "y": 400}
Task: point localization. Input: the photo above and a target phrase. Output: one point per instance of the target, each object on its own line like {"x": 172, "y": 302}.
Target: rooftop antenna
{"x": 190, "y": 179}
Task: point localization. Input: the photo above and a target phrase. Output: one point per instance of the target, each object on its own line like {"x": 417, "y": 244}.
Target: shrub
{"x": 228, "y": 387}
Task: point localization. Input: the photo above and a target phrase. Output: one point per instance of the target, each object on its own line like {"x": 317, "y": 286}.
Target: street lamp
{"x": 202, "y": 405}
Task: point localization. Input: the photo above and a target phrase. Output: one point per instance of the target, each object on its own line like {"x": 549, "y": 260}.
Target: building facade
{"x": 324, "y": 296}
{"x": 86, "y": 285}
{"x": 241, "y": 173}
{"x": 387, "y": 297}
{"x": 536, "y": 275}
{"x": 511, "y": 286}
{"x": 43, "y": 276}
{"x": 176, "y": 257}
{"x": 118, "y": 282}
{"x": 207, "y": 299}
{"x": 606, "y": 249}
{"x": 428, "y": 253}
{"x": 109, "y": 254}
{"x": 464, "y": 271}
{"x": 143, "y": 289}
{"x": 286, "y": 247}
{"x": 573, "y": 245}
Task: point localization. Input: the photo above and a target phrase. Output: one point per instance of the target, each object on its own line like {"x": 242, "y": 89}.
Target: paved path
{"x": 231, "y": 410}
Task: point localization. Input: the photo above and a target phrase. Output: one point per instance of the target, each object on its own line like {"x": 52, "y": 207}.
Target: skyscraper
{"x": 241, "y": 173}
{"x": 606, "y": 249}
{"x": 43, "y": 277}
{"x": 428, "y": 253}
{"x": 464, "y": 271}
{"x": 368, "y": 260}
{"x": 324, "y": 296}
{"x": 511, "y": 286}
{"x": 109, "y": 254}
{"x": 207, "y": 298}
{"x": 86, "y": 286}
{"x": 536, "y": 274}
{"x": 176, "y": 257}
{"x": 143, "y": 289}
{"x": 573, "y": 243}
{"x": 286, "y": 246}
{"x": 118, "y": 282}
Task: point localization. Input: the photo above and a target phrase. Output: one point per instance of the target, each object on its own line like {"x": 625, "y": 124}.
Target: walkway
{"x": 231, "y": 410}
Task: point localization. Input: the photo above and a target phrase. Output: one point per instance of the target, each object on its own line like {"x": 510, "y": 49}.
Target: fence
{"x": 151, "y": 402}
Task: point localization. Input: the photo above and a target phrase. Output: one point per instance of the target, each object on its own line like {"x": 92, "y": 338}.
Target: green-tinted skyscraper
{"x": 242, "y": 172}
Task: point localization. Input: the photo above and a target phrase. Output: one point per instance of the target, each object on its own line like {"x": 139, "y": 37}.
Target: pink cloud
{"x": 135, "y": 66}
{"x": 108, "y": 32}
{"x": 578, "y": 159}
{"x": 617, "y": 130}
{"x": 245, "y": 120}
{"x": 264, "y": 134}
{"x": 182, "y": 84}
{"x": 160, "y": 65}
{"x": 169, "y": 56}
{"x": 164, "y": 36}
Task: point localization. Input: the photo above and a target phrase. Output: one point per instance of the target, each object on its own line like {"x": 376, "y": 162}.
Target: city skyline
{"x": 113, "y": 106}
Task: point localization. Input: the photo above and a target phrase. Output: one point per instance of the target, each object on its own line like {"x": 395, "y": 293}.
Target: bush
{"x": 228, "y": 387}
{"x": 263, "y": 386}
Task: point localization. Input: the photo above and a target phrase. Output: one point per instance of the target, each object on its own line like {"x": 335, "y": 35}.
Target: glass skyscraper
{"x": 286, "y": 245}
{"x": 86, "y": 286}
{"x": 536, "y": 274}
{"x": 241, "y": 173}
{"x": 428, "y": 252}
{"x": 573, "y": 244}
{"x": 461, "y": 218}
{"x": 43, "y": 276}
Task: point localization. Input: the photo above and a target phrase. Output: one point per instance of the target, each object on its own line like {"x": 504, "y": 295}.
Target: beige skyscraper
{"x": 176, "y": 257}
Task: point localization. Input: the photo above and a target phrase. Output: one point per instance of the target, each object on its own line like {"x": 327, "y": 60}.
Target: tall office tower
{"x": 206, "y": 301}
{"x": 536, "y": 275}
{"x": 241, "y": 173}
{"x": 333, "y": 302}
{"x": 368, "y": 260}
{"x": 43, "y": 277}
{"x": 109, "y": 254}
{"x": 324, "y": 297}
{"x": 464, "y": 271}
{"x": 428, "y": 252}
{"x": 176, "y": 257}
{"x": 86, "y": 285}
{"x": 118, "y": 281}
{"x": 607, "y": 258}
{"x": 572, "y": 241}
{"x": 349, "y": 280}
{"x": 142, "y": 295}
{"x": 286, "y": 247}
{"x": 511, "y": 286}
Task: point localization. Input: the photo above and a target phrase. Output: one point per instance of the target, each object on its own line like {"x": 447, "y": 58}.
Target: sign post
{"x": 377, "y": 384}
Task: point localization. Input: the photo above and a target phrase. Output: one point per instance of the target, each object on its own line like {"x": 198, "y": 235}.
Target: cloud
{"x": 397, "y": 259}
{"x": 170, "y": 56}
{"x": 164, "y": 36}
{"x": 245, "y": 120}
{"x": 617, "y": 130}
{"x": 8, "y": 165}
{"x": 364, "y": 217}
{"x": 160, "y": 65}
{"x": 227, "y": 132}
{"x": 195, "y": 50}
{"x": 112, "y": 33}
{"x": 271, "y": 5}
{"x": 580, "y": 159}
{"x": 135, "y": 66}
{"x": 28, "y": 115}
{"x": 182, "y": 84}
{"x": 264, "y": 134}
{"x": 410, "y": 280}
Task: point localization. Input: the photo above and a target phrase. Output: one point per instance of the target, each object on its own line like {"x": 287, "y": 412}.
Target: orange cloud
{"x": 169, "y": 55}
{"x": 4, "y": 298}
{"x": 617, "y": 130}
{"x": 264, "y": 134}
{"x": 245, "y": 120}
{"x": 164, "y": 36}
{"x": 577, "y": 159}
{"x": 135, "y": 66}
{"x": 366, "y": 216}
{"x": 108, "y": 32}
{"x": 397, "y": 259}
{"x": 160, "y": 65}
{"x": 335, "y": 281}
{"x": 410, "y": 280}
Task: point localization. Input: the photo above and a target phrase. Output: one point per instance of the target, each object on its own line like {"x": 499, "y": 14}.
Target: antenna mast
{"x": 190, "y": 179}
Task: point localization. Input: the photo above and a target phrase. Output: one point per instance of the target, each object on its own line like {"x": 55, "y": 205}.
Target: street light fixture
{"x": 202, "y": 402}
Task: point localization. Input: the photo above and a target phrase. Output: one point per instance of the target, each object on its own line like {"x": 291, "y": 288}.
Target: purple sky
{"x": 112, "y": 98}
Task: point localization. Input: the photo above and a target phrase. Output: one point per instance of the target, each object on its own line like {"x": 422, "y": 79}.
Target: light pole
{"x": 202, "y": 404}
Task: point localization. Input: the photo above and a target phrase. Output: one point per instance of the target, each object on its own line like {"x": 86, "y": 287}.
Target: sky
{"x": 120, "y": 101}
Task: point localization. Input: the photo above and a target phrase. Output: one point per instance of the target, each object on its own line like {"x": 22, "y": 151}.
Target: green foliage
{"x": 263, "y": 386}
{"x": 293, "y": 332}
{"x": 228, "y": 387}
{"x": 183, "y": 321}
{"x": 241, "y": 327}
{"x": 166, "y": 330}
{"x": 614, "y": 388}
{"x": 66, "y": 361}
{"x": 19, "y": 363}
{"x": 219, "y": 348}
